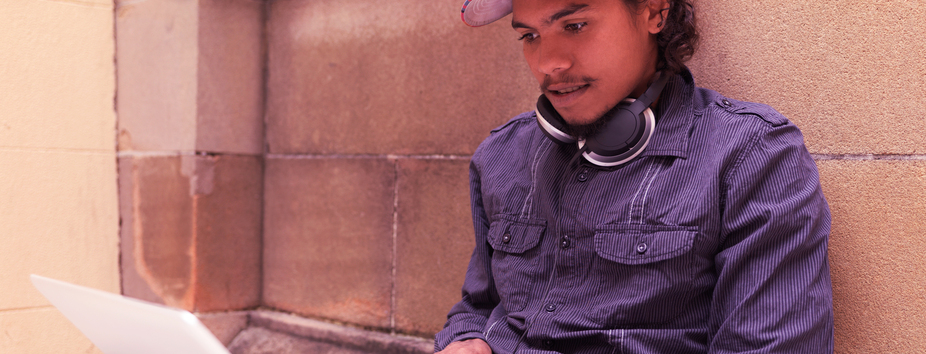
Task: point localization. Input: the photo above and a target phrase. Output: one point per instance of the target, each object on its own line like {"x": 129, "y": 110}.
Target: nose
{"x": 553, "y": 57}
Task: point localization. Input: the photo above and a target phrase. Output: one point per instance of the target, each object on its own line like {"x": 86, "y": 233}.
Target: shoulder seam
{"x": 517, "y": 119}
{"x": 762, "y": 111}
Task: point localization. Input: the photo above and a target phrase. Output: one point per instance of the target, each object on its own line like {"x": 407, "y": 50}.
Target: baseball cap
{"x": 482, "y": 12}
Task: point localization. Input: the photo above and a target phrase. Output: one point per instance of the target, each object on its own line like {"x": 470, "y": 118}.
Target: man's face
{"x": 587, "y": 55}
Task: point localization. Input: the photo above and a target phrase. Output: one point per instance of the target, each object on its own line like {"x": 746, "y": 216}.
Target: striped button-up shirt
{"x": 713, "y": 240}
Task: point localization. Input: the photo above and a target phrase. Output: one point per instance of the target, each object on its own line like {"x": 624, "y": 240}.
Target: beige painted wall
{"x": 58, "y": 202}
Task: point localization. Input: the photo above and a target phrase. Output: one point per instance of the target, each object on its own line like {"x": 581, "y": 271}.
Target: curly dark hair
{"x": 679, "y": 36}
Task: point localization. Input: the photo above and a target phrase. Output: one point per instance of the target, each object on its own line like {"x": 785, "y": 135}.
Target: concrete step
{"x": 281, "y": 333}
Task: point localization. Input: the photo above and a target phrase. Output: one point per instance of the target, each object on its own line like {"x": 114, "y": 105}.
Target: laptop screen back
{"x": 122, "y": 325}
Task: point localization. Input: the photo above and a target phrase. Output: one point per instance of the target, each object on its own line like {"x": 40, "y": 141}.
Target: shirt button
{"x": 582, "y": 177}
{"x": 506, "y": 238}
{"x": 642, "y": 247}
{"x": 548, "y": 343}
{"x": 726, "y": 102}
{"x": 565, "y": 243}
{"x": 550, "y": 307}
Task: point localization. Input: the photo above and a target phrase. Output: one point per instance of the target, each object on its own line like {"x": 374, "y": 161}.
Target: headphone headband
{"x": 646, "y": 99}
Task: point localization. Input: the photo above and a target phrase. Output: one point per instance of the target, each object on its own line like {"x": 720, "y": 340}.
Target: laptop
{"x": 120, "y": 325}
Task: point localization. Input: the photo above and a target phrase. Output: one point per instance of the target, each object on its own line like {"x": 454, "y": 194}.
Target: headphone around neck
{"x": 626, "y": 132}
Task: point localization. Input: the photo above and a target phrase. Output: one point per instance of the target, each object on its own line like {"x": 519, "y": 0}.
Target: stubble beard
{"x": 583, "y": 131}
{"x": 579, "y": 131}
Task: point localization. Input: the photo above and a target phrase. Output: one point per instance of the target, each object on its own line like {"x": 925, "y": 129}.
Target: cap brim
{"x": 482, "y": 12}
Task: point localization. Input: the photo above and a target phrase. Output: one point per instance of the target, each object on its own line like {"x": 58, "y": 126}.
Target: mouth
{"x": 564, "y": 87}
{"x": 564, "y": 95}
{"x": 567, "y": 90}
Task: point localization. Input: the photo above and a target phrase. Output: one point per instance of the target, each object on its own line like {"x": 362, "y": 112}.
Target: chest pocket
{"x": 645, "y": 273}
{"x": 515, "y": 258}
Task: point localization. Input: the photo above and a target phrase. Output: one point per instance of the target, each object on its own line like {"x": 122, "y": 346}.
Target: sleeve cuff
{"x": 443, "y": 340}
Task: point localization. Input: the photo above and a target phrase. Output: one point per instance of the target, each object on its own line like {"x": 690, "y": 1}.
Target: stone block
{"x": 40, "y": 331}
{"x": 58, "y": 77}
{"x": 193, "y": 226}
{"x": 876, "y": 250}
{"x": 157, "y": 46}
{"x": 161, "y": 230}
{"x": 434, "y": 242}
{"x": 228, "y": 226}
{"x": 833, "y": 72}
{"x": 230, "y": 81}
{"x": 328, "y": 238}
{"x": 133, "y": 284}
{"x": 344, "y": 78}
{"x": 59, "y": 219}
{"x": 190, "y": 75}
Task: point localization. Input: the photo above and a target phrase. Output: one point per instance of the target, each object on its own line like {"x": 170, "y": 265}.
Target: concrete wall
{"x": 374, "y": 108}
{"x": 190, "y": 142}
{"x": 58, "y": 198}
{"x": 190, "y": 139}
{"x": 851, "y": 75}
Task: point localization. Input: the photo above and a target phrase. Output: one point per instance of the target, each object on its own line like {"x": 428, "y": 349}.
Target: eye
{"x": 576, "y": 27}
{"x": 528, "y": 37}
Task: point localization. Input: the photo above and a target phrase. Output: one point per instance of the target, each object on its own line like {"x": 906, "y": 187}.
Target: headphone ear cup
{"x": 551, "y": 123}
{"x": 624, "y": 137}
{"x": 626, "y": 131}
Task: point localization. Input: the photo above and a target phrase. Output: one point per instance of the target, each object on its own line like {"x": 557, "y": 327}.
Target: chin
{"x": 583, "y": 118}
{"x": 580, "y": 119}
{"x": 585, "y": 130}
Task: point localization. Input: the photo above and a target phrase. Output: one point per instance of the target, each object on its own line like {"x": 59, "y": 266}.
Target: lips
{"x": 568, "y": 89}
{"x": 563, "y": 87}
{"x": 564, "y": 94}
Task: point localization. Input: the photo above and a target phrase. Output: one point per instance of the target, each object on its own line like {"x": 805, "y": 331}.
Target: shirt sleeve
{"x": 467, "y": 319}
{"x": 773, "y": 291}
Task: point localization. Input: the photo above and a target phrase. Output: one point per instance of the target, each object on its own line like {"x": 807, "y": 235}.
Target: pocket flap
{"x": 640, "y": 245}
{"x": 515, "y": 235}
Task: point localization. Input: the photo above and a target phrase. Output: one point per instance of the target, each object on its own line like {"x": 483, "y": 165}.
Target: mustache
{"x": 565, "y": 78}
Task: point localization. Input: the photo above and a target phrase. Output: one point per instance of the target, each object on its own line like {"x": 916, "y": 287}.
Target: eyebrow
{"x": 568, "y": 10}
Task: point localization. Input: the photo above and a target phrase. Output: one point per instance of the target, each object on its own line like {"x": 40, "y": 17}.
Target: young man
{"x": 681, "y": 222}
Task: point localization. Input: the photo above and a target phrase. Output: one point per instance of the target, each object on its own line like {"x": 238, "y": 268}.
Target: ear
{"x": 656, "y": 12}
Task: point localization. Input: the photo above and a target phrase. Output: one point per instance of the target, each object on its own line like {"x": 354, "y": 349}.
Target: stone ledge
{"x": 294, "y": 334}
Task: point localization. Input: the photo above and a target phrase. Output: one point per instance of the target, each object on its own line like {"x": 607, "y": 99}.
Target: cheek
{"x": 538, "y": 75}
{"x": 531, "y": 59}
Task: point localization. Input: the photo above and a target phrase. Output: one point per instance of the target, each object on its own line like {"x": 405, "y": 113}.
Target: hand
{"x": 469, "y": 346}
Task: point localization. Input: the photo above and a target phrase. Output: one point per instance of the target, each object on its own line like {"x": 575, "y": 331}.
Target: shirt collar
{"x": 675, "y": 115}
